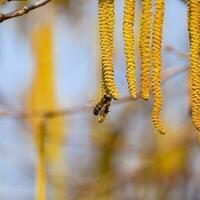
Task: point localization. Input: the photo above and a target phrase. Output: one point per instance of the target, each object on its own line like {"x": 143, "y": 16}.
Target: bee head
{"x": 107, "y": 97}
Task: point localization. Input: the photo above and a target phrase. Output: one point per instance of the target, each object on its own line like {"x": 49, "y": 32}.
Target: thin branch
{"x": 177, "y": 52}
{"x": 168, "y": 74}
{"x": 184, "y": 1}
{"x": 24, "y": 10}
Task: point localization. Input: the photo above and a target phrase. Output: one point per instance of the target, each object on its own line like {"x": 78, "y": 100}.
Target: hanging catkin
{"x": 103, "y": 40}
{"x": 144, "y": 47}
{"x": 194, "y": 36}
{"x": 156, "y": 63}
{"x": 128, "y": 35}
{"x": 106, "y": 24}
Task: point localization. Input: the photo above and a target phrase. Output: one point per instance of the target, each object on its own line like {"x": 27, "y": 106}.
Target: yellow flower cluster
{"x": 150, "y": 46}
{"x": 145, "y": 47}
{"x": 128, "y": 34}
{"x": 194, "y": 36}
{"x": 106, "y": 26}
{"x": 156, "y": 63}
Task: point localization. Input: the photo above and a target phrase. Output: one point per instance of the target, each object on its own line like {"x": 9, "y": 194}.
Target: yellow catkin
{"x": 194, "y": 35}
{"x": 128, "y": 35}
{"x": 103, "y": 40}
{"x": 42, "y": 98}
{"x": 106, "y": 25}
{"x": 145, "y": 47}
{"x": 156, "y": 63}
{"x": 103, "y": 34}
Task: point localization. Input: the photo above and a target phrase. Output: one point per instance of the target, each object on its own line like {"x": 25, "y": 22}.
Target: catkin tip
{"x": 196, "y": 124}
{"x": 115, "y": 96}
{"x": 158, "y": 126}
{"x": 145, "y": 96}
{"x": 156, "y": 63}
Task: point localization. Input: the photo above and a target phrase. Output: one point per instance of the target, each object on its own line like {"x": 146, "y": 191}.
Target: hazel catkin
{"x": 106, "y": 26}
{"x": 145, "y": 47}
{"x": 128, "y": 35}
{"x": 156, "y": 63}
{"x": 194, "y": 37}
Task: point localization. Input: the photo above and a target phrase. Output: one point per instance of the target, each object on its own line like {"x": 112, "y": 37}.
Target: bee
{"x": 104, "y": 102}
{"x": 103, "y": 112}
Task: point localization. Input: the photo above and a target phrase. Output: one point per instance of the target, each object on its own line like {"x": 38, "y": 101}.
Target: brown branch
{"x": 177, "y": 52}
{"x": 24, "y": 10}
{"x": 184, "y": 1}
{"x": 168, "y": 74}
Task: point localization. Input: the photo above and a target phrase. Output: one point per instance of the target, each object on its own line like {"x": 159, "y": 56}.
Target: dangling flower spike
{"x": 156, "y": 63}
{"x": 128, "y": 34}
{"x": 145, "y": 47}
{"x": 194, "y": 37}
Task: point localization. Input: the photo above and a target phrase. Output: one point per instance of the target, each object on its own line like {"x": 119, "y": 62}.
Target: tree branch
{"x": 184, "y": 1}
{"x": 168, "y": 74}
{"x": 24, "y": 10}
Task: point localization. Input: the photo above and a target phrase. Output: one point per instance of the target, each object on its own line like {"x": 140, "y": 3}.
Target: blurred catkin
{"x": 42, "y": 98}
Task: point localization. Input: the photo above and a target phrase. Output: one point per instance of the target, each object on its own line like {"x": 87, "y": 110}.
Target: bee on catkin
{"x": 128, "y": 35}
{"x": 103, "y": 112}
{"x": 194, "y": 36}
{"x": 156, "y": 63}
{"x": 145, "y": 47}
{"x": 104, "y": 100}
{"x": 106, "y": 26}
{"x": 102, "y": 108}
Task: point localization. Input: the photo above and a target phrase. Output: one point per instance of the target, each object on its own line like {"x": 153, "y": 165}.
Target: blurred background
{"x": 50, "y": 61}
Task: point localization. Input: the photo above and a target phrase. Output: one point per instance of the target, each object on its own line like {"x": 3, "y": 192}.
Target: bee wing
{"x": 91, "y": 103}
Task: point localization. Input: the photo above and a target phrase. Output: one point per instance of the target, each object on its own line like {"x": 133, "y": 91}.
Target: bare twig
{"x": 24, "y": 10}
{"x": 184, "y": 1}
{"x": 177, "y": 52}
